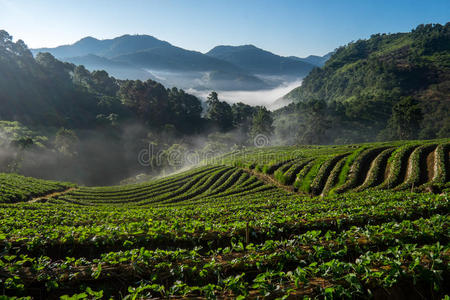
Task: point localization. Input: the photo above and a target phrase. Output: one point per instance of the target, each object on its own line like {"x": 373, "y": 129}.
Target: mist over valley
{"x": 231, "y": 69}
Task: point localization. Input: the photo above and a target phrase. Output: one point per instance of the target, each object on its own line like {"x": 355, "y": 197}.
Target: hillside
{"x": 322, "y": 170}
{"x": 143, "y": 57}
{"x": 318, "y": 61}
{"x": 363, "y": 83}
{"x": 227, "y": 231}
{"x": 108, "y": 48}
{"x": 57, "y": 119}
{"x": 259, "y": 61}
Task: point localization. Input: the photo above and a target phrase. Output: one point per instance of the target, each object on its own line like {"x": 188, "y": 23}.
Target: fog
{"x": 102, "y": 157}
{"x": 261, "y": 90}
{"x": 265, "y": 98}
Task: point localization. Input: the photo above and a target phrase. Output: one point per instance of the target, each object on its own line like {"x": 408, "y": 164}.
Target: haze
{"x": 290, "y": 27}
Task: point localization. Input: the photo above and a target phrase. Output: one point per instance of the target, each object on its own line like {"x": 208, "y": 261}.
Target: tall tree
{"x": 262, "y": 122}
{"x": 219, "y": 112}
{"x": 404, "y": 123}
{"x": 148, "y": 100}
{"x": 313, "y": 130}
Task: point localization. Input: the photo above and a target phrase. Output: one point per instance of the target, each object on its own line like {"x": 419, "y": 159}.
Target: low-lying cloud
{"x": 259, "y": 97}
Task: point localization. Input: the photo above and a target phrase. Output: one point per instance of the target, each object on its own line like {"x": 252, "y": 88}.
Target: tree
{"x": 262, "y": 122}
{"x": 20, "y": 146}
{"x": 316, "y": 124}
{"x": 185, "y": 110}
{"x": 66, "y": 142}
{"x": 103, "y": 84}
{"x": 81, "y": 76}
{"x": 405, "y": 120}
{"x": 242, "y": 120}
{"x": 219, "y": 112}
{"x": 242, "y": 114}
{"x": 148, "y": 100}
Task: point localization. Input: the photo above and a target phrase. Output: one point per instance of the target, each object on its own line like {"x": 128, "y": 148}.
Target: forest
{"x": 53, "y": 113}
{"x": 388, "y": 87}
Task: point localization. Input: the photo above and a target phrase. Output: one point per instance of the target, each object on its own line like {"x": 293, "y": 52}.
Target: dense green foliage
{"x": 219, "y": 231}
{"x": 16, "y": 188}
{"x": 418, "y": 165}
{"x": 56, "y": 119}
{"x": 390, "y": 86}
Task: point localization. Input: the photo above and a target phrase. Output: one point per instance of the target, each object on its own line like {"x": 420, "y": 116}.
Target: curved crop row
{"x": 359, "y": 169}
{"x": 345, "y": 170}
{"x": 397, "y": 165}
{"x": 334, "y": 174}
{"x": 441, "y": 164}
{"x": 298, "y": 183}
{"x": 414, "y": 175}
{"x": 16, "y": 188}
{"x": 377, "y": 170}
{"x": 288, "y": 177}
{"x": 321, "y": 178}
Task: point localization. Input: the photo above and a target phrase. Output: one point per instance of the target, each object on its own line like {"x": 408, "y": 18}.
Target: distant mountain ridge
{"x": 143, "y": 56}
{"x": 107, "y": 48}
{"x": 318, "y": 61}
{"x": 259, "y": 61}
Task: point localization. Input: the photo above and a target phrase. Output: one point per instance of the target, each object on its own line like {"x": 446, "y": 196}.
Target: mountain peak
{"x": 88, "y": 39}
{"x": 260, "y": 61}
{"x": 229, "y": 48}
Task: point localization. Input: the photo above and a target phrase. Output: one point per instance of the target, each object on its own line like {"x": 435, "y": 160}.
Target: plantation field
{"x": 321, "y": 170}
{"x": 355, "y": 221}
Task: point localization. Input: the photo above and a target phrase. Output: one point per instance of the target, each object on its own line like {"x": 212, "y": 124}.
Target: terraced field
{"x": 247, "y": 225}
{"x": 321, "y": 170}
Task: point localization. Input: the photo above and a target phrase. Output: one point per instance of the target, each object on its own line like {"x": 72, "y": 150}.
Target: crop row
{"x": 393, "y": 249}
{"x": 328, "y": 170}
{"x": 57, "y": 231}
{"x": 16, "y": 188}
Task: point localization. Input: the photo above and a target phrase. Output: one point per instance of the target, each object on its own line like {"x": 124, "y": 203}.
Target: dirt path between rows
{"x": 55, "y": 194}
{"x": 269, "y": 180}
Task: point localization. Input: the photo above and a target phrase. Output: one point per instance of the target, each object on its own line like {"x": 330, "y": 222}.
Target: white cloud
{"x": 260, "y": 97}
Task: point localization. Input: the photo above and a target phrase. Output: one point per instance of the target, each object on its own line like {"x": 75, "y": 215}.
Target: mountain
{"x": 318, "y": 61}
{"x": 261, "y": 62}
{"x": 380, "y": 86}
{"x": 143, "y": 56}
{"x": 115, "y": 68}
{"x": 386, "y": 66}
{"x": 106, "y": 48}
{"x": 223, "y": 68}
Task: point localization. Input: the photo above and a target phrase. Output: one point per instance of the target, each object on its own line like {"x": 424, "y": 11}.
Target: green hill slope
{"x": 362, "y": 83}
{"x": 312, "y": 170}
{"x": 418, "y": 165}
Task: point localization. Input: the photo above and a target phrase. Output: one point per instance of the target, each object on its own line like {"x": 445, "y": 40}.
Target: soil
{"x": 52, "y": 195}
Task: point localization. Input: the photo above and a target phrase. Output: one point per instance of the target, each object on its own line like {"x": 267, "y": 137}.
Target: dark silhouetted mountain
{"x": 115, "y": 68}
{"x": 140, "y": 56}
{"x": 106, "y": 48}
{"x": 259, "y": 61}
{"x": 318, "y": 61}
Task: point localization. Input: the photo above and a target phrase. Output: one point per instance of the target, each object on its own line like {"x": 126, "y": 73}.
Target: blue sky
{"x": 285, "y": 27}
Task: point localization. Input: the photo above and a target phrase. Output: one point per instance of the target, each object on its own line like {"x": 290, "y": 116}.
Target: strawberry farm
{"x": 313, "y": 222}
